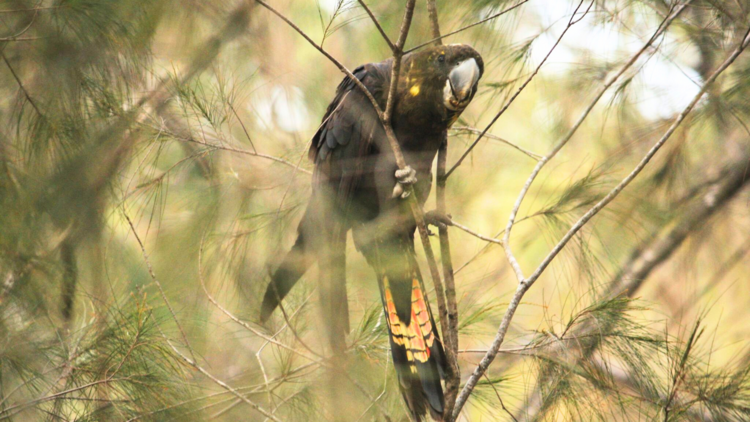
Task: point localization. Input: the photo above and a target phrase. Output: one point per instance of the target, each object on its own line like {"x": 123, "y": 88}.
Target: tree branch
{"x": 450, "y": 312}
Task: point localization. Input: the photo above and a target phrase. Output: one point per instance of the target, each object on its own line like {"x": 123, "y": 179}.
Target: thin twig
{"x": 223, "y": 385}
{"x": 267, "y": 381}
{"x": 377, "y": 24}
{"x": 6, "y": 413}
{"x": 450, "y": 312}
{"x": 237, "y": 150}
{"x": 322, "y": 51}
{"x": 497, "y": 393}
{"x": 20, "y": 85}
{"x": 244, "y": 129}
{"x": 495, "y": 237}
{"x": 157, "y": 283}
{"x": 254, "y": 389}
{"x": 487, "y": 19}
{"x": 474, "y": 130}
{"x": 456, "y": 224}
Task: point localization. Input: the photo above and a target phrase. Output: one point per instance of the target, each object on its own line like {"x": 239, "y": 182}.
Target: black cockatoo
{"x": 357, "y": 185}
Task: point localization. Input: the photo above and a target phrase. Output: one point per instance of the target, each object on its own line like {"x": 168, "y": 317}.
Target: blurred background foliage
{"x": 153, "y": 170}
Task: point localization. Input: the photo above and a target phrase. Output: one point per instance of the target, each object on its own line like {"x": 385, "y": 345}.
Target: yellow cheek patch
{"x": 414, "y": 91}
{"x": 417, "y": 337}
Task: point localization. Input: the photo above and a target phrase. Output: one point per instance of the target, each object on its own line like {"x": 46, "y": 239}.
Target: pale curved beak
{"x": 463, "y": 78}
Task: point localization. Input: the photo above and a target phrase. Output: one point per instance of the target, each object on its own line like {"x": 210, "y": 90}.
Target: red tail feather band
{"x": 417, "y": 336}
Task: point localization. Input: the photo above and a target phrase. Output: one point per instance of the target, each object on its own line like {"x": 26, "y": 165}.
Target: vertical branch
{"x": 385, "y": 117}
{"x": 398, "y": 53}
{"x": 434, "y": 22}
{"x": 450, "y": 336}
{"x": 453, "y": 381}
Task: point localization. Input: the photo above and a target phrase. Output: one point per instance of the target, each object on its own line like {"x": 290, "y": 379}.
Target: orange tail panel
{"x": 416, "y": 337}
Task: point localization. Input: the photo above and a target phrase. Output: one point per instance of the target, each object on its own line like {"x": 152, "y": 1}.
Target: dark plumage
{"x": 353, "y": 186}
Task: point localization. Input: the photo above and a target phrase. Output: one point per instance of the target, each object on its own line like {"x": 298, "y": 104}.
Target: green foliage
{"x": 121, "y": 367}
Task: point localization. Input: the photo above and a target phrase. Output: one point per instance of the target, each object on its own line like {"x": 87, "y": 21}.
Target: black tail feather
{"x": 320, "y": 239}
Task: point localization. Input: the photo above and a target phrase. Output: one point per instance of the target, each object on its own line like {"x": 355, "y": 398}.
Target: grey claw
{"x": 405, "y": 177}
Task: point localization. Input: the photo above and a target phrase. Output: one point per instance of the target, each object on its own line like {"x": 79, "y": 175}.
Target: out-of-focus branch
{"x": 34, "y": 9}
{"x": 572, "y": 21}
{"x": 525, "y": 283}
{"x": 646, "y": 258}
{"x": 192, "y": 362}
{"x": 241, "y": 322}
{"x": 247, "y": 152}
{"x": 10, "y": 411}
{"x": 212, "y": 146}
{"x": 737, "y": 256}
